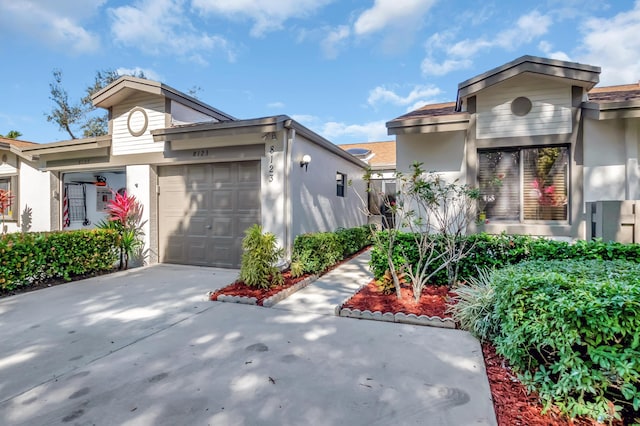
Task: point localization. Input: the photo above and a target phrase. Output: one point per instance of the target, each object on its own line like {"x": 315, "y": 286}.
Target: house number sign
{"x": 201, "y": 153}
{"x": 272, "y": 150}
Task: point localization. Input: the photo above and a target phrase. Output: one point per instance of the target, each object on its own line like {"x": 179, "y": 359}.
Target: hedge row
{"x": 30, "y": 258}
{"x": 572, "y": 330}
{"x": 318, "y": 251}
{"x": 497, "y": 251}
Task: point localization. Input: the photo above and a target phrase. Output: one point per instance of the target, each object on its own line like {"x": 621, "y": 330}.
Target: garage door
{"x": 203, "y": 211}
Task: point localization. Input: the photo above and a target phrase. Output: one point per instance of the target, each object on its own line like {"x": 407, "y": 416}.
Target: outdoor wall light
{"x": 306, "y": 159}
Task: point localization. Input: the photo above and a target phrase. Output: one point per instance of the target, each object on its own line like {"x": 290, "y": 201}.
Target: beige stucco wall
{"x": 33, "y": 201}
{"x": 439, "y": 152}
{"x": 314, "y": 204}
{"x": 611, "y": 159}
{"x": 34, "y": 198}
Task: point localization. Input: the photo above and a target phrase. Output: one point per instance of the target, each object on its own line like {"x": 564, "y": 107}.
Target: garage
{"x": 203, "y": 211}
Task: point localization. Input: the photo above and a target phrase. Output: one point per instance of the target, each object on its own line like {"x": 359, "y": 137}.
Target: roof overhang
{"x": 95, "y": 146}
{"x": 16, "y": 150}
{"x": 126, "y": 86}
{"x": 582, "y": 75}
{"x": 186, "y": 137}
{"x": 442, "y": 123}
{"x": 612, "y": 110}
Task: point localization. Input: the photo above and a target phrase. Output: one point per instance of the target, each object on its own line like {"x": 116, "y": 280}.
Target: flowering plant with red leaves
{"x": 125, "y": 209}
{"x": 6, "y": 200}
{"x": 125, "y": 217}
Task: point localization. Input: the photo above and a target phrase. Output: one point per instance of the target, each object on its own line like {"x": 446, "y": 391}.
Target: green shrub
{"x": 30, "y": 258}
{"x": 497, "y": 251}
{"x": 318, "y": 251}
{"x": 353, "y": 240}
{"x": 572, "y": 329}
{"x": 474, "y": 306}
{"x": 259, "y": 258}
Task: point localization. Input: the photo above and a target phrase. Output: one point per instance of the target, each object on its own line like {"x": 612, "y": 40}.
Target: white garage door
{"x": 204, "y": 209}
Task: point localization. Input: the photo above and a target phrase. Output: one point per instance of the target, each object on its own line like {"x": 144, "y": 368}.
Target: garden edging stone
{"x": 397, "y": 318}
{"x": 270, "y": 301}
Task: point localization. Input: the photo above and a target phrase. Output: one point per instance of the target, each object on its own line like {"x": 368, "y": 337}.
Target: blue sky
{"x": 341, "y": 67}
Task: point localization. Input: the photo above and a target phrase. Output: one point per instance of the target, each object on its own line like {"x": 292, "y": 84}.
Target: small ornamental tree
{"x": 125, "y": 217}
{"x": 436, "y": 213}
{"x": 6, "y": 200}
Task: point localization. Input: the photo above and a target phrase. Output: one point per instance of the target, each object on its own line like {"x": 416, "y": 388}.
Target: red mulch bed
{"x": 433, "y": 301}
{"x": 239, "y": 288}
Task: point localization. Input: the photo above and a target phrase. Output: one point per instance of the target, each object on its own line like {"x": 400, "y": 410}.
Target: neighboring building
{"x": 30, "y": 187}
{"x": 202, "y": 175}
{"x": 538, "y": 140}
{"x": 381, "y": 159}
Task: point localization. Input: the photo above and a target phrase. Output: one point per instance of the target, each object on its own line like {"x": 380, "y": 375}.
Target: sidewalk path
{"x": 331, "y": 289}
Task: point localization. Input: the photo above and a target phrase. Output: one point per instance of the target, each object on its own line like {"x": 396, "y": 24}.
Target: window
{"x": 524, "y": 184}
{"x": 341, "y": 181}
{"x": 9, "y": 184}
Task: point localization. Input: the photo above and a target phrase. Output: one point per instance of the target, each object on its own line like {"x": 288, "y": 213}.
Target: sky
{"x": 340, "y": 67}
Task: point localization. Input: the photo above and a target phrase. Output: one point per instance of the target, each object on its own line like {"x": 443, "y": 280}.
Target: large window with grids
{"x": 524, "y": 184}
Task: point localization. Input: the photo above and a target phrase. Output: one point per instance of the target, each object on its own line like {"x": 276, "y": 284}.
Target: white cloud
{"x": 613, "y": 44}
{"x": 385, "y": 13}
{"x": 148, "y": 73}
{"x": 421, "y": 93}
{"x": 528, "y": 27}
{"x": 267, "y": 15}
{"x": 547, "y": 49}
{"x": 431, "y": 67}
{"x": 334, "y": 40}
{"x": 372, "y": 131}
{"x": 275, "y": 105}
{"x": 53, "y": 23}
{"x": 458, "y": 54}
{"x": 160, "y": 27}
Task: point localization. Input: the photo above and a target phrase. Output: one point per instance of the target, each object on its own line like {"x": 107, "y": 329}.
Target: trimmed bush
{"x": 259, "y": 258}
{"x": 316, "y": 252}
{"x": 497, "y": 251}
{"x": 572, "y": 330}
{"x": 30, "y": 258}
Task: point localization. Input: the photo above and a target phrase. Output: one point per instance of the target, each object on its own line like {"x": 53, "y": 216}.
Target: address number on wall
{"x": 272, "y": 150}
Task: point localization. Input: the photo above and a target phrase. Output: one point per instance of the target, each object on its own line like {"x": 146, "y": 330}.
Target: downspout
{"x": 289, "y": 137}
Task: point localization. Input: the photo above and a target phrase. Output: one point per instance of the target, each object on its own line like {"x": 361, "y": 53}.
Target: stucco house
{"x": 19, "y": 174}
{"x": 202, "y": 175}
{"x": 539, "y": 140}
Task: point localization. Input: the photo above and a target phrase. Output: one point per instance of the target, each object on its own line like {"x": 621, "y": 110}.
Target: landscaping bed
{"x": 433, "y": 302}
{"x": 239, "y": 289}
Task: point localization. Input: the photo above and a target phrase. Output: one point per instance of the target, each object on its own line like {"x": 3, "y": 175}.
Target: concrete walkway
{"x": 332, "y": 289}
{"x": 145, "y": 348}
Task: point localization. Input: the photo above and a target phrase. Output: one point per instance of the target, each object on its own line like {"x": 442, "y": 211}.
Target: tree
{"x": 82, "y": 114}
{"x": 435, "y": 213}
{"x": 12, "y": 134}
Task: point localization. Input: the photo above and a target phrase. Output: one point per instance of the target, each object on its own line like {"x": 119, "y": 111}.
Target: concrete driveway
{"x": 144, "y": 347}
